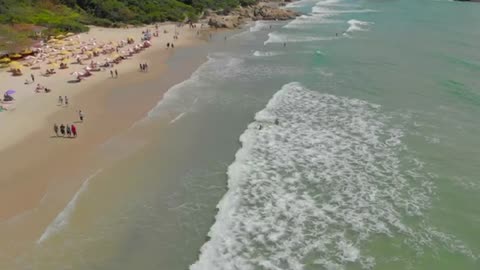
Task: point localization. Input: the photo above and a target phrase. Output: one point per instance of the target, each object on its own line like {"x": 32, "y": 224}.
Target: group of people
{"x": 41, "y": 88}
{"x": 170, "y": 45}
{"x": 65, "y": 130}
{"x": 144, "y": 67}
{"x": 114, "y": 74}
{"x": 62, "y": 101}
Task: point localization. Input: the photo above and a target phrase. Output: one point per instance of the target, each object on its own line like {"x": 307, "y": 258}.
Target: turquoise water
{"x": 374, "y": 162}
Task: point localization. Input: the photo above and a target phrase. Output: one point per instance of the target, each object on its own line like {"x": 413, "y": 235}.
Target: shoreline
{"x": 44, "y": 172}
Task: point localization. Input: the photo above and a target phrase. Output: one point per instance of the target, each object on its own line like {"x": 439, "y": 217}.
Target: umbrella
{"x": 60, "y": 37}
{"x": 15, "y": 56}
{"x": 5, "y": 60}
{"x": 52, "y": 40}
{"x": 26, "y": 52}
{"x": 69, "y": 34}
{"x": 10, "y": 92}
{"x": 53, "y": 65}
{"x": 15, "y": 64}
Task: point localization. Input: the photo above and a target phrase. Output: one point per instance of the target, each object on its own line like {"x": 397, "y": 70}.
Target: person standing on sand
{"x": 66, "y": 101}
{"x": 69, "y": 131}
{"x": 55, "y": 129}
{"x": 111, "y": 73}
{"x": 80, "y": 114}
{"x": 116, "y": 73}
{"x": 74, "y": 131}
{"x": 60, "y": 100}
{"x": 33, "y": 77}
{"x": 62, "y": 130}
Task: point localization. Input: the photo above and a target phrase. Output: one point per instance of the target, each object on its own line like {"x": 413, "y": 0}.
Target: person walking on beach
{"x": 111, "y": 73}
{"x": 168, "y": 45}
{"x": 66, "y": 101}
{"x": 69, "y": 131}
{"x": 116, "y": 73}
{"x": 60, "y": 100}
{"x": 33, "y": 77}
{"x": 74, "y": 131}
{"x": 55, "y": 129}
{"x": 62, "y": 130}
{"x": 80, "y": 114}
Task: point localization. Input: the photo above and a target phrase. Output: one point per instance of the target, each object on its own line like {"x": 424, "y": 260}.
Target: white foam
{"x": 356, "y": 25}
{"x": 331, "y": 12}
{"x": 177, "y": 118}
{"x": 306, "y": 21}
{"x": 259, "y": 26}
{"x": 319, "y": 184}
{"x": 63, "y": 217}
{"x": 266, "y": 54}
{"x": 276, "y": 37}
{"x": 300, "y": 3}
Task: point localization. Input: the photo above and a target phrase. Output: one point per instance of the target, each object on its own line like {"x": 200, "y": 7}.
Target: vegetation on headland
{"x": 61, "y": 16}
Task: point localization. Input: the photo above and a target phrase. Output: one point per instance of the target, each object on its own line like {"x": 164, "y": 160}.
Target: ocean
{"x": 344, "y": 139}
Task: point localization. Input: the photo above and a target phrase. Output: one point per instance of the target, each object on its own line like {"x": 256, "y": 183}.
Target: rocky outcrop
{"x": 269, "y": 13}
{"x": 230, "y": 21}
{"x": 262, "y": 11}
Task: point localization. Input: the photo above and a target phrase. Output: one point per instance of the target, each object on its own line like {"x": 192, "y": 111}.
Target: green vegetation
{"x": 61, "y": 16}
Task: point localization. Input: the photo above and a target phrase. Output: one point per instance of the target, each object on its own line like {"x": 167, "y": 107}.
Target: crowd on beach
{"x": 58, "y": 53}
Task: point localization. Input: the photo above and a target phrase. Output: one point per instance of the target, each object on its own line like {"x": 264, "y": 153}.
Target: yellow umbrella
{"x": 53, "y": 65}
{"x": 69, "y": 34}
{"x": 65, "y": 52}
{"x": 60, "y": 37}
{"x": 53, "y": 40}
{"x": 15, "y": 56}
{"x": 15, "y": 65}
{"x": 5, "y": 60}
{"x": 26, "y": 52}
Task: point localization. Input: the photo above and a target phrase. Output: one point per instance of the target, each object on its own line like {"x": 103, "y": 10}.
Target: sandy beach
{"x": 45, "y": 171}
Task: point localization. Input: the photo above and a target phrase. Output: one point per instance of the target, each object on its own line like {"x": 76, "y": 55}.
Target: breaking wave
{"x": 313, "y": 189}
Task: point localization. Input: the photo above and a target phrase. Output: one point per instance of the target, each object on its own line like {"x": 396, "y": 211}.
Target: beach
{"x": 346, "y": 139}
{"x": 45, "y": 171}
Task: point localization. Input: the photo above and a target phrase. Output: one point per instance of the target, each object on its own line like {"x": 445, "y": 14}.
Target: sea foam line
{"x": 63, "y": 217}
{"x": 314, "y": 188}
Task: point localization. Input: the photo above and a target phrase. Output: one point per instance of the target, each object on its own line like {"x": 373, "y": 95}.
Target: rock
{"x": 224, "y": 22}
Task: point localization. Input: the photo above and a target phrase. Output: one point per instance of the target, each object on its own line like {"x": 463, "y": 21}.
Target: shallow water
{"x": 373, "y": 165}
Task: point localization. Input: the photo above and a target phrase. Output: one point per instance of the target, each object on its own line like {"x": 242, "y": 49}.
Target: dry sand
{"x": 41, "y": 173}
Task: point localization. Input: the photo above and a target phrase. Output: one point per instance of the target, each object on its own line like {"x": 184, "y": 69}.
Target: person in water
{"x": 277, "y": 122}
